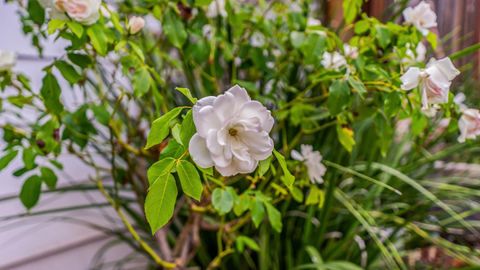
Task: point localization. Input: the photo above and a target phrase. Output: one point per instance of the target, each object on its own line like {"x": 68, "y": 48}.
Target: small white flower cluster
{"x": 7, "y": 60}
{"x": 335, "y": 60}
{"x": 435, "y": 80}
{"x": 313, "y": 161}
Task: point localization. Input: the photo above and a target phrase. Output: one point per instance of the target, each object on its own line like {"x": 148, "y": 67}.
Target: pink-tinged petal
{"x": 445, "y": 65}
{"x": 411, "y": 78}
{"x": 199, "y": 152}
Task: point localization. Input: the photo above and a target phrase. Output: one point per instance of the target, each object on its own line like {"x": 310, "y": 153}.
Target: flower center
{"x": 233, "y": 132}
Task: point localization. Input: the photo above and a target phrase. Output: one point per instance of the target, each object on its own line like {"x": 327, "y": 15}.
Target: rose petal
{"x": 199, "y": 152}
{"x": 411, "y": 78}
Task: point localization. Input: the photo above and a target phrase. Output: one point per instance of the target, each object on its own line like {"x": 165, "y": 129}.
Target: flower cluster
{"x": 313, "y": 162}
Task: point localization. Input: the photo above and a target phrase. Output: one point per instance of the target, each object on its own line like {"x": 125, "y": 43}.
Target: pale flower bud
{"x": 135, "y": 24}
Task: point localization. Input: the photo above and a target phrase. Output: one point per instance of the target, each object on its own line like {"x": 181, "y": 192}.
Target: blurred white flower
{"x": 313, "y": 162}
{"x": 313, "y": 22}
{"x": 350, "y": 51}
{"x": 333, "y": 60}
{"x": 421, "y": 16}
{"x": 295, "y": 7}
{"x": 232, "y": 132}
{"x": 83, "y": 11}
{"x": 415, "y": 57}
{"x": 216, "y": 8}
{"x": 459, "y": 99}
{"x": 435, "y": 80}
{"x": 257, "y": 40}
{"x": 469, "y": 125}
{"x": 135, "y": 24}
{"x": 7, "y": 60}
{"x": 207, "y": 31}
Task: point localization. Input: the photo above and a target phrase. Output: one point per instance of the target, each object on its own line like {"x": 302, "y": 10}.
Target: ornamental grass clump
{"x": 249, "y": 134}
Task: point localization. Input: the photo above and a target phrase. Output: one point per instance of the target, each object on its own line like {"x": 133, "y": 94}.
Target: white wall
{"x": 49, "y": 241}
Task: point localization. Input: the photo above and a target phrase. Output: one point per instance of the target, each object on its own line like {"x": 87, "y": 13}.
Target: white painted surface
{"x": 50, "y": 241}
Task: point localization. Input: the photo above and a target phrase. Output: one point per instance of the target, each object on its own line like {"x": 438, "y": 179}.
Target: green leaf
{"x": 159, "y": 168}
{"x": 186, "y": 92}
{"x": 174, "y": 29}
{"x": 258, "y": 211}
{"x": 383, "y": 36}
{"x": 30, "y": 192}
{"x": 339, "y": 97}
{"x": 241, "y": 204}
{"x": 101, "y": 114}
{"x": 160, "y": 128}
{"x": 81, "y": 60}
{"x": 242, "y": 241}
{"x": 98, "y": 38}
{"x": 76, "y": 28}
{"x": 141, "y": 82}
{"x": 50, "y": 93}
{"x": 36, "y": 11}
{"x": 48, "y": 177}
{"x": 138, "y": 51}
{"x": 188, "y": 129}
{"x": 362, "y": 27}
{"x": 160, "y": 202}
{"x": 263, "y": 166}
{"x": 222, "y": 201}
{"x": 345, "y": 136}
{"x": 274, "y": 217}
{"x": 173, "y": 149}
{"x": 54, "y": 25}
{"x": 28, "y": 158}
{"x": 433, "y": 40}
{"x": 68, "y": 72}
{"x": 7, "y": 158}
{"x": 351, "y": 8}
{"x": 315, "y": 196}
{"x": 288, "y": 178}
{"x": 189, "y": 179}
{"x": 358, "y": 86}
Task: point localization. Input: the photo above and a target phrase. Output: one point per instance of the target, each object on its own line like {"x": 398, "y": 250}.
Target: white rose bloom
{"x": 421, "y": 16}
{"x": 216, "y": 8}
{"x": 417, "y": 57}
{"x": 469, "y": 125}
{"x": 232, "y": 132}
{"x": 7, "y": 60}
{"x": 350, "y": 51}
{"x": 313, "y": 162}
{"x": 435, "y": 80}
{"x": 83, "y": 11}
{"x": 135, "y": 24}
{"x": 333, "y": 60}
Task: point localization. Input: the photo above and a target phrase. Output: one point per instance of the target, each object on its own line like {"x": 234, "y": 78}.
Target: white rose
{"x": 469, "y": 125}
{"x": 421, "y": 16}
{"x": 216, "y": 8}
{"x": 83, "y": 11}
{"x": 313, "y": 162}
{"x": 333, "y": 60}
{"x": 435, "y": 80}
{"x": 7, "y": 60}
{"x": 350, "y": 51}
{"x": 135, "y": 24}
{"x": 232, "y": 132}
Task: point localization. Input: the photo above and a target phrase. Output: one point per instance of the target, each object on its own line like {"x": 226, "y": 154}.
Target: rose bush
{"x": 249, "y": 133}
